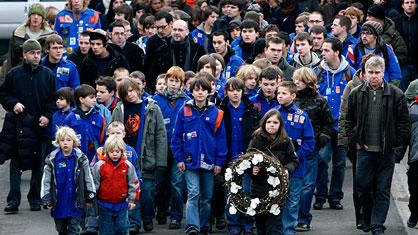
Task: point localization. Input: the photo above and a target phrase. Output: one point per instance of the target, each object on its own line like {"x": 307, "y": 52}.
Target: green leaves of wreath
{"x": 277, "y": 180}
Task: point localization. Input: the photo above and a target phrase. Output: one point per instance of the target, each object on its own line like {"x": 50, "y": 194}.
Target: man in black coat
{"x": 82, "y": 51}
{"x": 29, "y": 89}
{"x": 377, "y": 126}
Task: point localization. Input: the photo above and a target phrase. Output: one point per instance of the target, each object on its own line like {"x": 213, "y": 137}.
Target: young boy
{"x": 139, "y": 77}
{"x": 67, "y": 184}
{"x": 106, "y": 92}
{"x": 65, "y": 100}
{"x": 170, "y": 103}
{"x": 199, "y": 148}
{"x": 117, "y": 187}
{"x": 241, "y": 119}
{"x": 265, "y": 99}
{"x": 300, "y": 131}
{"x": 160, "y": 84}
{"x": 86, "y": 120}
{"x": 249, "y": 74}
{"x": 119, "y": 74}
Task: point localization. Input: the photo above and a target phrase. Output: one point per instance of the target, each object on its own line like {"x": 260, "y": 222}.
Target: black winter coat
{"x": 318, "y": 111}
{"x": 286, "y": 154}
{"x": 18, "y": 138}
{"x": 250, "y": 121}
{"x": 133, "y": 53}
{"x": 395, "y": 121}
{"x": 77, "y": 58}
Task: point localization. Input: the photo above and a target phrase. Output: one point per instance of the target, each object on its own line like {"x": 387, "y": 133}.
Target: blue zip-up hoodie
{"x": 350, "y": 41}
{"x": 196, "y": 141}
{"x": 220, "y": 85}
{"x": 392, "y": 70}
{"x": 169, "y": 111}
{"x": 65, "y": 71}
{"x": 90, "y": 128}
{"x": 299, "y": 128}
{"x": 232, "y": 67}
{"x": 262, "y": 103}
{"x": 68, "y": 27}
{"x": 58, "y": 120}
{"x": 331, "y": 84}
{"x": 200, "y": 37}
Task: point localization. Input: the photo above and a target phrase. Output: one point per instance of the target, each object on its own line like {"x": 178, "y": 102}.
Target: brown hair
{"x": 354, "y": 11}
{"x": 201, "y": 80}
{"x": 207, "y": 59}
{"x": 290, "y": 85}
{"x": 307, "y": 76}
{"x": 51, "y": 39}
{"x": 175, "y": 72}
{"x": 219, "y": 58}
{"x": 234, "y": 84}
{"x": 281, "y": 133}
{"x": 124, "y": 88}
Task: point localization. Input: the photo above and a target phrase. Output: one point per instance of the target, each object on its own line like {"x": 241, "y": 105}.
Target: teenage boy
{"x": 300, "y": 131}
{"x": 265, "y": 99}
{"x": 82, "y": 51}
{"x": 170, "y": 102}
{"x": 106, "y": 92}
{"x": 275, "y": 53}
{"x": 340, "y": 29}
{"x": 333, "y": 74}
{"x": 87, "y": 121}
{"x": 241, "y": 119}
{"x": 318, "y": 33}
{"x": 65, "y": 71}
{"x": 199, "y": 148}
{"x": 202, "y": 32}
{"x": 305, "y": 57}
{"x": 221, "y": 46}
{"x": 249, "y": 34}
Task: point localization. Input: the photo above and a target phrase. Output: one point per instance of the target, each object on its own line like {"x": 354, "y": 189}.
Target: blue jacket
{"x": 200, "y": 37}
{"x": 262, "y": 103}
{"x": 350, "y": 41}
{"x": 299, "y": 128}
{"x": 220, "y": 86}
{"x": 331, "y": 85}
{"x": 232, "y": 67}
{"x": 68, "y": 28}
{"x": 169, "y": 111}
{"x": 58, "y": 120}
{"x": 90, "y": 128}
{"x": 199, "y": 139}
{"x": 65, "y": 71}
{"x": 392, "y": 71}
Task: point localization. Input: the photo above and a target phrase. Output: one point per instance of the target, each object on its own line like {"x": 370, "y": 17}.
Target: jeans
{"x": 374, "y": 172}
{"x": 199, "y": 198}
{"x": 240, "y": 222}
{"x": 68, "y": 226}
{"x": 178, "y": 185}
{"x": 218, "y": 198}
{"x": 269, "y": 224}
{"x": 338, "y": 155}
{"x": 291, "y": 207}
{"x": 113, "y": 222}
{"x": 147, "y": 200}
{"x": 413, "y": 187}
{"x": 134, "y": 216}
{"x": 34, "y": 194}
{"x": 308, "y": 188}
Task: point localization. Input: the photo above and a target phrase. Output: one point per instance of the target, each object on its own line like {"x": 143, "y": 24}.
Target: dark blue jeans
{"x": 147, "y": 200}
{"x": 113, "y": 222}
{"x": 308, "y": 188}
{"x": 178, "y": 186}
{"x": 68, "y": 226}
{"x": 338, "y": 155}
{"x": 374, "y": 173}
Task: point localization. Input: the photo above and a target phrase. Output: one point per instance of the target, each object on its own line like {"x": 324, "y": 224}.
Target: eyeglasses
{"x": 366, "y": 33}
{"x": 161, "y": 27}
{"x": 315, "y": 21}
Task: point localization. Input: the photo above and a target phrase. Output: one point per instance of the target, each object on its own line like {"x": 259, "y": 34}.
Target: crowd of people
{"x": 129, "y": 114}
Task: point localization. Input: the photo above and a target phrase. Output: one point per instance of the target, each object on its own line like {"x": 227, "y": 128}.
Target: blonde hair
{"x": 66, "y": 131}
{"x": 114, "y": 142}
{"x": 247, "y": 71}
{"x": 116, "y": 125}
{"x": 307, "y": 76}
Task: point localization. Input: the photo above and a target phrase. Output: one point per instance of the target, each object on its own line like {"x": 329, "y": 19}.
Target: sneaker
{"x": 174, "y": 224}
{"x": 303, "y": 227}
{"x": 220, "y": 222}
{"x": 412, "y": 221}
{"x": 366, "y": 228}
{"x": 192, "y": 232}
{"x": 148, "y": 226}
{"x": 318, "y": 205}
{"x": 35, "y": 207}
{"x": 10, "y": 209}
{"x": 133, "y": 231}
{"x": 336, "y": 205}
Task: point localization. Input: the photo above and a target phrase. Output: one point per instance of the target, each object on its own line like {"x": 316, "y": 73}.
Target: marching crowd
{"x": 126, "y": 112}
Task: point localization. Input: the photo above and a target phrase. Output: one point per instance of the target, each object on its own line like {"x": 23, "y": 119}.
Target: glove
{"x": 323, "y": 140}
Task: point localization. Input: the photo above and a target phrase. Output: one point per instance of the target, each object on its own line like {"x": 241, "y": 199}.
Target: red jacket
{"x": 115, "y": 184}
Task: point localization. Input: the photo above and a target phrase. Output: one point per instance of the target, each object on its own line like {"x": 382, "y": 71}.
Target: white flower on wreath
{"x": 254, "y": 202}
{"x": 244, "y": 165}
{"x": 235, "y": 187}
{"x": 273, "y": 181}
{"x": 274, "y": 193}
{"x": 232, "y": 210}
{"x": 239, "y": 171}
{"x": 257, "y": 158}
{"x": 272, "y": 170}
{"x": 275, "y": 209}
{"x": 250, "y": 211}
{"x": 228, "y": 174}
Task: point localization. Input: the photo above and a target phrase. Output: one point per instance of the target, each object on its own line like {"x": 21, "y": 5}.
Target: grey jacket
{"x": 413, "y": 144}
{"x": 83, "y": 179}
{"x": 287, "y": 69}
{"x": 342, "y": 136}
{"x": 154, "y": 137}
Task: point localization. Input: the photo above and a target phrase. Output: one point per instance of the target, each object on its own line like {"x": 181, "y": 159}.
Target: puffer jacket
{"x": 85, "y": 188}
{"x": 392, "y": 37}
{"x": 318, "y": 111}
{"x": 153, "y": 148}
{"x": 342, "y": 135}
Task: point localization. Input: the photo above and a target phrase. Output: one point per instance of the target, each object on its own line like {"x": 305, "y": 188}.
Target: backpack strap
{"x": 219, "y": 118}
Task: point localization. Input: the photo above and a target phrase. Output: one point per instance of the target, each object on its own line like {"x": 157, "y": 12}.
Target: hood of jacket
{"x": 314, "y": 59}
{"x": 20, "y": 31}
{"x": 389, "y": 28}
{"x": 343, "y": 65}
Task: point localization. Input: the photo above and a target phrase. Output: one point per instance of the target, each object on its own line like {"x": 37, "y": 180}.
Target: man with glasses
{"x": 157, "y": 46}
{"x": 130, "y": 50}
{"x": 65, "y": 71}
{"x": 315, "y": 18}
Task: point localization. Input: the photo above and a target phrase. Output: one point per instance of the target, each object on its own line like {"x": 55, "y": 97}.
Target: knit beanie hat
{"x": 373, "y": 26}
{"x": 412, "y": 90}
{"x": 31, "y": 45}
{"x": 377, "y": 11}
{"x": 37, "y": 8}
